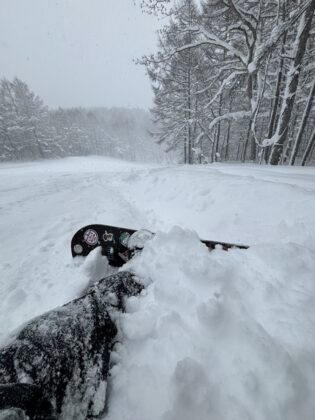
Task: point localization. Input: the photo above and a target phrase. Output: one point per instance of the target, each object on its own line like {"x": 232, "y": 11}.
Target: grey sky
{"x": 78, "y": 52}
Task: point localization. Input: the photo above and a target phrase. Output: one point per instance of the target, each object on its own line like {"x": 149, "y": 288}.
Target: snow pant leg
{"x": 28, "y": 398}
{"x": 66, "y": 351}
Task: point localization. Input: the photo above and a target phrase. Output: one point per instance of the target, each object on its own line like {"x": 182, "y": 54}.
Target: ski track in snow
{"x": 221, "y": 335}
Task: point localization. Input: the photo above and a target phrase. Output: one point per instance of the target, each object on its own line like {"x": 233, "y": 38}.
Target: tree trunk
{"x": 292, "y": 84}
{"x": 218, "y": 131}
{"x": 214, "y": 146}
{"x": 239, "y": 149}
{"x": 246, "y": 141}
{"x": 228, "y": 134}
{"x": 308, "y": 148}
{"x": 185, "y": 151}
{"x": 293, "y": 123}
{"x": 226, "y": 156}
{"x": 189, "y": 92}
{"x": 251, "y": 139}
{"x": 276, "y": 100}
{"x": 303, "y": 124}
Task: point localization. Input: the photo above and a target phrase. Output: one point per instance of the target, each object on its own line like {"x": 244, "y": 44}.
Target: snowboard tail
{"x": 115, "y": 243}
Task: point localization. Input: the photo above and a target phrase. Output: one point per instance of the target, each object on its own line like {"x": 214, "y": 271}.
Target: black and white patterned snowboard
{"x": 119, "y": 244}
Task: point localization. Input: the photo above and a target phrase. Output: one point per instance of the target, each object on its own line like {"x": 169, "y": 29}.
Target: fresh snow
{"x": 221, "y": 335}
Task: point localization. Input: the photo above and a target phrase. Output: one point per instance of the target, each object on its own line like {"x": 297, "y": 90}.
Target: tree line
{"x": 29, "y": 130}
{"x": 235, "y": 80}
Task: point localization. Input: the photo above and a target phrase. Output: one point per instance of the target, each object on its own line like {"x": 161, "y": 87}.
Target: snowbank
{"x": 226, "y": 335}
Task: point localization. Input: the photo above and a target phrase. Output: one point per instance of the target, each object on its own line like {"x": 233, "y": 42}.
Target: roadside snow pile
{"x": 221, "y": 335}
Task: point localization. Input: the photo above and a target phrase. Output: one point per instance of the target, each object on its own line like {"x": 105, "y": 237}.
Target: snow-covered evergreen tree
{"x": 29, "y": 130}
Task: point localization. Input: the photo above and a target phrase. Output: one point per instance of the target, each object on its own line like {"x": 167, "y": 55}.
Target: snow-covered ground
{"x": 216, "y": 336}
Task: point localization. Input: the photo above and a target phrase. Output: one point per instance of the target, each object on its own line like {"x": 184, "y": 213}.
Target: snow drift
{"x": 221, "y": 335}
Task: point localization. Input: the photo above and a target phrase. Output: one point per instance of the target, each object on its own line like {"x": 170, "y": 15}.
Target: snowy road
{"x": 220, "y": 335}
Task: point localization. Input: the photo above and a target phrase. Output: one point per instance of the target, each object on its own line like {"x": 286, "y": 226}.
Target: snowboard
{"x": 119, "y": 244}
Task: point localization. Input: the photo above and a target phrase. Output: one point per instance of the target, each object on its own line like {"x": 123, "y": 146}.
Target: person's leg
{"x": 66, "y": 351}
{"x": 28, "y": 399}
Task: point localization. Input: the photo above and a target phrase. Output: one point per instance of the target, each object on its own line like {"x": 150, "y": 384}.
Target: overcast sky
{"x": 78, "y": 52}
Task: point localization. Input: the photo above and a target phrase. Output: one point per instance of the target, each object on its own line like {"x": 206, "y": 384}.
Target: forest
{"x": 232, "y": 80}
{"x": 235, "y": 80}
{"x": 29, "y": 130}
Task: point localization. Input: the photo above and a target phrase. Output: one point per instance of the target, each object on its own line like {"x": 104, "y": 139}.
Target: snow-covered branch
{"x": 237, "y": 115}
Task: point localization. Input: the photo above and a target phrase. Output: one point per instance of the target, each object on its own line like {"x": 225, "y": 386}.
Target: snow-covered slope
{"x": 221, "y": 335}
